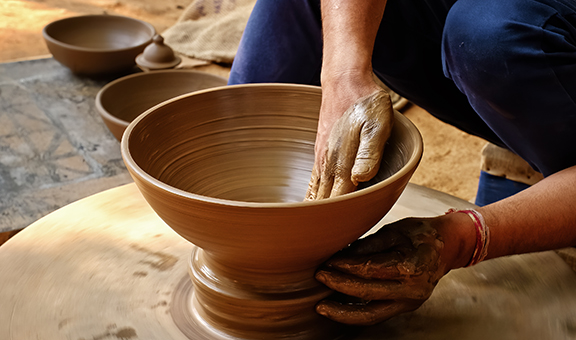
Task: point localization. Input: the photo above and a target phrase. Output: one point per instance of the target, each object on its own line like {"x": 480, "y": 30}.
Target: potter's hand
{"x": 353, "y": 149}
{"x": 390, "y": 272}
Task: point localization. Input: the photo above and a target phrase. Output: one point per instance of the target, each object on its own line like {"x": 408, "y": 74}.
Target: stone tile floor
{"x": 54, "y": 148}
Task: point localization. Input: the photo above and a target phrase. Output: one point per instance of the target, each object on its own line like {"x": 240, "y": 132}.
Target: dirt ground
{"x": 451, "y": 157}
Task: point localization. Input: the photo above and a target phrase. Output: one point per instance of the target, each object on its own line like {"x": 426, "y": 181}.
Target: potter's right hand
{"x": 355, "y": 122}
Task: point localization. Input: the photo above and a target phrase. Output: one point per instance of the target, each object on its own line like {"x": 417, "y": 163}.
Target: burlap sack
{"x": 210, "y": 29}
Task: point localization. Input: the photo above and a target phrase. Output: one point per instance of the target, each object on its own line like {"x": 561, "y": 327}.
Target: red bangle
{"x": 482, "y": 235}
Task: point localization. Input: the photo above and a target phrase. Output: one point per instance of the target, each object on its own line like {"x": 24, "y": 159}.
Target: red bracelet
{"x": 482, "y": 235}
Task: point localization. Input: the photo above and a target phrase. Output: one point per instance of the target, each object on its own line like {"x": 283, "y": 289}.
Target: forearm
{"x": 542, "y": 217}
{"x": 349, "y": 29}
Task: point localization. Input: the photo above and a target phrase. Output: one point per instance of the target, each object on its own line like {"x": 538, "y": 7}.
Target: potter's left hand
{"x": 390, "y": 272}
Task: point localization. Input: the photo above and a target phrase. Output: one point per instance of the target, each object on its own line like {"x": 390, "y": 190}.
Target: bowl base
{"x": 205, "y": 307}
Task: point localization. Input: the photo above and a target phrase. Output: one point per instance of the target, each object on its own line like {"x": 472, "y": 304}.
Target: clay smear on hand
{"x": 393, "y": 271}
{"x": 354, "y": 148}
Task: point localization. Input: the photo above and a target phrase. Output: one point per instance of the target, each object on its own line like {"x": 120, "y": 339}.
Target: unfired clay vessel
{"x": 97, "y": 44}
{"x": 227, "y": 169}
{"x": 123, "y": 99}
{"x": 157, "y": 56}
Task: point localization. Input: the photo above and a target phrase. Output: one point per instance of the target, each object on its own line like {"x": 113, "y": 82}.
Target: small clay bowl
{"x": 228, "y": 169}
{"x": 123, "y": 99}
{"x": 95, "y": 45}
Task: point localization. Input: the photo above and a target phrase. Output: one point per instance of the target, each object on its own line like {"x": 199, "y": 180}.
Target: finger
{"x": 369, "y": 156}
{"x": 383, "y": 240}
{"x": 384, "y": 266}
{"x": 364, "y": 315}
{"x": 326, "y": 180}
{"x": 313, "y": 185}
{"x": 401, "y": 265}
{"x": 339, "y": 161}
{"x": 342, "y": 185}
{"x": 373, "y": 135}
{"x": 344, "y": 154}
{"x": 325, "y": 186}
{"x": 366, "y": 289}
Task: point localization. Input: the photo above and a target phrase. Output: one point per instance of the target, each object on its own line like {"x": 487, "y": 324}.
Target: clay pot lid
{"x": 157, "y": 55}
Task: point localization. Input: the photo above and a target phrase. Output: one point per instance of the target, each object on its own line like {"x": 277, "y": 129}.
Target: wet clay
{"x": 227, "y": 169}
{"x": 123, "y": 99}
{"x": 97, "y": 44}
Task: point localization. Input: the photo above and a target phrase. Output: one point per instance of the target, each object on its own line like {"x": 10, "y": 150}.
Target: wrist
{"x": 338, "y": 72}
{"x": 458, "y": 233}
{"x": 348, "y": 85}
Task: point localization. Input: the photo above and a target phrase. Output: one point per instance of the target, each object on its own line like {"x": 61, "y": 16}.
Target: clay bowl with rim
{"x": 97, "y": 45}
{"x": 123, "y": 99}
{"x": 228, "y": 168}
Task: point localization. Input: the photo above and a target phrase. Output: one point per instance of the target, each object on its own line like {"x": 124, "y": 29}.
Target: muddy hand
{"x": 390, "y": 272}
{"x": 354, "y": 148}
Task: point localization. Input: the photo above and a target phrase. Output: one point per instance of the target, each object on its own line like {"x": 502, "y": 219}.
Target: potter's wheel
{"x": 107, "y": 267}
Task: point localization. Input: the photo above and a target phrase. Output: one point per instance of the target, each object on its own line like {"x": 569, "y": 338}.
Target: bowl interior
{"x": 128, "y": 97}
{"x": 100, "y": 32}
{"x": 244, "y": 146}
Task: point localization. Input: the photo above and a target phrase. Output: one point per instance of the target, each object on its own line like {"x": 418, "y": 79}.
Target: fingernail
{"x": 321, "y": 276}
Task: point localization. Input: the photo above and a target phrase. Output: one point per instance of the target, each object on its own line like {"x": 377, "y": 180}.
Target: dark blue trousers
{"x": 504, "y": 70}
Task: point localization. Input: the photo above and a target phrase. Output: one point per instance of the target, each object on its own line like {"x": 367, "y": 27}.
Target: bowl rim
{"x": 53, "y": 40}
{"x": 105, "y": 113}
{"x": 412, "y": 163}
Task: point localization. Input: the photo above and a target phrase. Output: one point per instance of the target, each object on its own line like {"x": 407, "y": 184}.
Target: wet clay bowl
{"x": 122, "y": 100}
{"x": 96, "y": 45}
{"x": 228, "y": 169}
